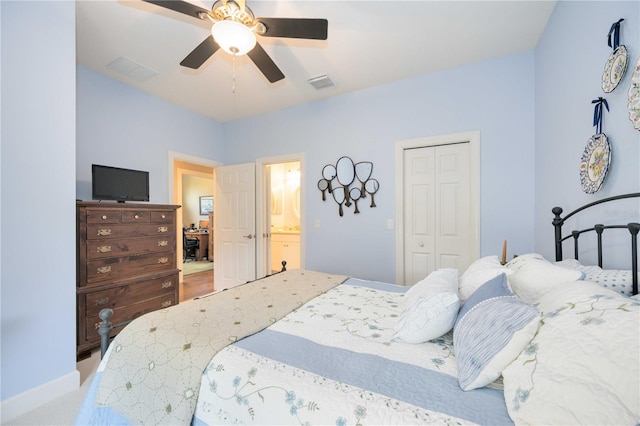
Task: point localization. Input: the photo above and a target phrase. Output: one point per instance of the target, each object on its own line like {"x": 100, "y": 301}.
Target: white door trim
{"x": 262, "y": 268}
{"x": 473, "y": 138}
{"x": 173, "y": 155}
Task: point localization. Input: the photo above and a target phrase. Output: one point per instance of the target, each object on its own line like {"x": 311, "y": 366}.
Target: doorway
{"x": 284, "y": 215}
{"x": 437, "y": 204}
{"x": 280, "y": 219}
{"x": 191, "y": 178}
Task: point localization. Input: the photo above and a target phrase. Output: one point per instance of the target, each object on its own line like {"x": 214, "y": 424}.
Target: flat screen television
{"x": 114, "y": 183}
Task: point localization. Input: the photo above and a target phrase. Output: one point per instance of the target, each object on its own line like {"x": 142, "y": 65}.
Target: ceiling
{"x": 369, "y": 43}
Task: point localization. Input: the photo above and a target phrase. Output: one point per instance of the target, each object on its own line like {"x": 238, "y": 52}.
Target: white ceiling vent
{"x": 321, "y": 81}
{"x": 132, "y": 69}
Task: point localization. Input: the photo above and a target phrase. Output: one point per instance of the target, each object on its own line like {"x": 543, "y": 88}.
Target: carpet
{"x": 192, "y": 267}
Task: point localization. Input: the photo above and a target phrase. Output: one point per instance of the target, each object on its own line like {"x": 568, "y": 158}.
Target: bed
{"x": 532, "y": 341}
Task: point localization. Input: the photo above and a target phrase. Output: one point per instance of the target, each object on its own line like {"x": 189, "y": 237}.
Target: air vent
{"x": 321, "y": 81}
{"x": 132, "y": 69}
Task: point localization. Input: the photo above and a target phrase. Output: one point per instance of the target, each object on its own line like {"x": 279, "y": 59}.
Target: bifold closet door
{"x": 436, "y": 209}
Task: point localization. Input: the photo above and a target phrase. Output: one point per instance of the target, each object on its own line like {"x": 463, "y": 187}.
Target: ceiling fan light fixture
{"x": 233, "y": 37}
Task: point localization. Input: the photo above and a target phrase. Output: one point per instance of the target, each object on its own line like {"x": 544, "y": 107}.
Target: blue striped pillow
{"x": 492, "y": 328}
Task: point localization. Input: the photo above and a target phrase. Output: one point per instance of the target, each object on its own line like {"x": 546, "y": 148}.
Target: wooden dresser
{"x": 126, "y": 261}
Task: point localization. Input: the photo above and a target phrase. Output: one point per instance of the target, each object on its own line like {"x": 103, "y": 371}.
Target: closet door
{"x": 437, "y": 213}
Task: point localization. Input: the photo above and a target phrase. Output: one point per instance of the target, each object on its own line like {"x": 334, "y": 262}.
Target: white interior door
{"x": 235, "y": 225}
{"x": 437, "y": 214}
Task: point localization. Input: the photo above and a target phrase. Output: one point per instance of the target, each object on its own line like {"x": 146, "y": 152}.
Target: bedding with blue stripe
{"x": 333, "y": 361}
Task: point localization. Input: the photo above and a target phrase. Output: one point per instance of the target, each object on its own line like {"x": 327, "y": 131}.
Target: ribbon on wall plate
{"x": 616, "y": 65}
{"x": 596, "y": 157}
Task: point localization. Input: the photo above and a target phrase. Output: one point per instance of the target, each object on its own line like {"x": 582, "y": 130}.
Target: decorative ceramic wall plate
{"x": 614, "y": 69}
{"x": 634, "y": 97}
{"x": 595, "y": 163}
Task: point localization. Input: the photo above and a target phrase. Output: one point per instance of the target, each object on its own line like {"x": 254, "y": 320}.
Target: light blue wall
{"x": 38, "y": 192}
{"x": 495, "y": 97}
{"x": 44, "y": 171}
{"x": 569, "y": 61}
{"x": 124, "y": 127}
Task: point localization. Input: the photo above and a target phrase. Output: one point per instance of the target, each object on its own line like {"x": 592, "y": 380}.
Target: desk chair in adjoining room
{"x": 190, "y": 247}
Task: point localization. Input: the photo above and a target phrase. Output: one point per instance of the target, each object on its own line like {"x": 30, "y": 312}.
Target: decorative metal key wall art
{"x": 348, "y": 183}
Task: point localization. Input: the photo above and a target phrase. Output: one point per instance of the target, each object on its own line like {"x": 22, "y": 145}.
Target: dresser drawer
{"x": 135, "y": 216}
{"x": 95, "y": 232}
{"x": 129, "y": 266}
{"x": 100, "y": 249}
{"x": 130, "y": 294}
{"x": 127, "y": 313}
{"x": 104, "y": 216}
{"x": 161, "y": 216}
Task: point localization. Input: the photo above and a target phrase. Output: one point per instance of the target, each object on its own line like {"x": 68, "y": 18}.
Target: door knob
{"x": 250, "y": 236}
{"x": 421, "y": 244}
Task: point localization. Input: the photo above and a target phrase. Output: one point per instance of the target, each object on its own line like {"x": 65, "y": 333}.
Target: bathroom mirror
{"x": 296, "y": 202}
{"x": 276, "y": 204}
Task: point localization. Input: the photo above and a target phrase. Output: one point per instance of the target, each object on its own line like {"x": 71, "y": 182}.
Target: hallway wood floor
{"x": 198, "y": 284}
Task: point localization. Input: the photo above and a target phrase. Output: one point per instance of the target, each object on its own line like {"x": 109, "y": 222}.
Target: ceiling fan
{"x": 234, "y": 30}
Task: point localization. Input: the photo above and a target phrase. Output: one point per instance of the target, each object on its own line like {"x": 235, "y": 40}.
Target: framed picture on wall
{"x": 206, "y": 204}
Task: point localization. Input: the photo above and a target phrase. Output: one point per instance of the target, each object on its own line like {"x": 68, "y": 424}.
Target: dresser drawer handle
{"x": 167, "y": 304}
{"x": 104, "y": 249}
{"x": 163, "y": 260}
{"x": 104, "y": 217}
{"x": 104, "y": 232}
{"x": 163, "y": 229}
{"x": 167, "y": 284}
{"x": 136, "y": 216}
{"x": 163, "y": 243}
{"x": 104, "y": 269}
{"x": 163, "y": 216}
{"x": 102, "y": 301}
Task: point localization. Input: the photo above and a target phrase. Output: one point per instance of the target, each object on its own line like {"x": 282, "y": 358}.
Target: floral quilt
{"x": 582, "y": 367}
{"x": 332, "y": 361}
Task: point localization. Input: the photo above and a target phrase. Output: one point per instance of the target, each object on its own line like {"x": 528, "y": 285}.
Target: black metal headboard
{"x": 633, "y": 228}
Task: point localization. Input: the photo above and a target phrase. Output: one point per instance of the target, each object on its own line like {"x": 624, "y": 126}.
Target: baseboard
{"x": 40, "y": 395}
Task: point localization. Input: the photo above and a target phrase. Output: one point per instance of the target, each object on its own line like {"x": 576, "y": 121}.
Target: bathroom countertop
{"x": 285, "y": 231}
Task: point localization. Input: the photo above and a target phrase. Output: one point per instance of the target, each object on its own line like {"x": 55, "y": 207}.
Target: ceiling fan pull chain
{"x": 233, "y": 86}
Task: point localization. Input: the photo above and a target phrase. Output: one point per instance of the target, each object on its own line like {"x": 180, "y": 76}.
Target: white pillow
{"x": 478, "y": 273}
{"x": 533, "y": 276}
{"x": 582, "y": 366}
{"x": 492, "y": 328}
{"x": 431, "y": 307}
